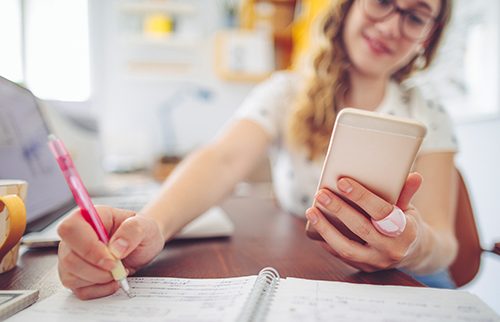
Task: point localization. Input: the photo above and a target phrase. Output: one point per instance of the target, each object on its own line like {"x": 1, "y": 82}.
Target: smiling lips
{"x": 377, "y": 46}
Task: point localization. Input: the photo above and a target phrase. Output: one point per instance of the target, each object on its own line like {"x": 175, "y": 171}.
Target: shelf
{"x": 175, "y": 8}
{"x": 167, "y": 41}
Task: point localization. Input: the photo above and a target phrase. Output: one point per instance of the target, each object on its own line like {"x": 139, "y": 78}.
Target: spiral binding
{"x": 258, "y": 301}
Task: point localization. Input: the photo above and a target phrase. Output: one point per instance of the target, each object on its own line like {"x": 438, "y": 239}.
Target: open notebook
{"x": 24, "y": 154}
{"x": 265, "y": 297}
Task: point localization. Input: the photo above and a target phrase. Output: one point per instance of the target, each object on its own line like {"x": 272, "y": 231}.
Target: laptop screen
{"x": 24, "y": 153}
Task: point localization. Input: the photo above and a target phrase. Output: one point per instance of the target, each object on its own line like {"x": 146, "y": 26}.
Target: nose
{"x": 390, "y": 27}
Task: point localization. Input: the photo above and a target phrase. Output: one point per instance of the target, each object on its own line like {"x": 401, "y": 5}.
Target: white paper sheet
{"x": 210, "y": 300}
{"x": 154, "y": 299}
{"x": 310, "y": 300}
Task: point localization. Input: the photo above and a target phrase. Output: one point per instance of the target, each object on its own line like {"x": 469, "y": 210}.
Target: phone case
{"x": 376, "y": 150}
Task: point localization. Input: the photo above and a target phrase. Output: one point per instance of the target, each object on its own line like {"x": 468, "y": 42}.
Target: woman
{"x": 368, "y": 48}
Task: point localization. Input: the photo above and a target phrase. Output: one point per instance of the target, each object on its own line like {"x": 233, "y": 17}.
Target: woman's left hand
{"x": 380, "y": 251}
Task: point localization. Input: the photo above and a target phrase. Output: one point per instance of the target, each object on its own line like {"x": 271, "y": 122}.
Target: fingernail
{"x": 107, "y": 264}
{"x": 323, "y": 198}
{"x": 311, "y": 216}
{"x": 118, "y": 247}
{"x": 344, "y": 186}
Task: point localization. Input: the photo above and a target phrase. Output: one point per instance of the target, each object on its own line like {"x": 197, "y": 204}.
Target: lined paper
{"x": 154, "y": 299}
{"x": 310, "y": 300}
{"x": 211, "y": 300}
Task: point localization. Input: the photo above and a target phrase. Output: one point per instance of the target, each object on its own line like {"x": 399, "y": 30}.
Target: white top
{"x": 295, "y": 178}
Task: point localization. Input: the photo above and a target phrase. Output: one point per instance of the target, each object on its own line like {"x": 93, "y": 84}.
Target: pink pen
{"x": 83, "y": 200}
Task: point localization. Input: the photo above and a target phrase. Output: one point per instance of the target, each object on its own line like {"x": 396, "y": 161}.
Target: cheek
{"x": 407, "y": 53}
{"x": 347, "y": 41}
{"x": 351, "y": 32}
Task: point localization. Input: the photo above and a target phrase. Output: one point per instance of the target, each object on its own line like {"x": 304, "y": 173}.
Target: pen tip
{"x": 126, "y": 288}
{"x": 52, "y": 137}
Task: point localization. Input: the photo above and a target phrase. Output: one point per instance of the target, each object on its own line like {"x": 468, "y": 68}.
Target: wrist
{"x": 418, "y": 255}
{"x": 157, "y": 221}
{"x": 435, "y": 252}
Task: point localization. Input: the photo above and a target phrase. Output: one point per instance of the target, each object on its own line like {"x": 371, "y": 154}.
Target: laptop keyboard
{"x": 49, "y": 233}
{"x": 134, "y": 203}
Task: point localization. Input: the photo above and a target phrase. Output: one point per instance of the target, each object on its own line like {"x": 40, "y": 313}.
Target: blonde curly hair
{"x": 311, "y": 121}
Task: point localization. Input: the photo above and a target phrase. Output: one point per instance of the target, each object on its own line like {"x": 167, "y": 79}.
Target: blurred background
{"x": 134, "y": 85}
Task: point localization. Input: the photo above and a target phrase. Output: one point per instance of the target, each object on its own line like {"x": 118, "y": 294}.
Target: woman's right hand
{"x": 85, "y": 263}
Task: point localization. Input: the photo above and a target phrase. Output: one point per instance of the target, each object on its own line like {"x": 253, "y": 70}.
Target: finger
{"x": 376, "y": 255}
{"x": 137, "y": 233}
{"x": 112, "y": 217}
{"x": 393, "y": 224}
{"x": 96, "y": 291}
{"x": 343, "y": 246}
{"x": 71, "y": 281}
{"x": 375, "y": 206}
{"x": 410, "y": 187}
{"x": 129, "y": 235}
{"x": 75, "y": 272}
{"x": 329, "y": 249}
{"x": 350, "y": 217}
{"x": 378, "y": 262}
{"x": 362, "y": 227}
{"x": 360, "y": 266}
{"x": 81, "y": 238}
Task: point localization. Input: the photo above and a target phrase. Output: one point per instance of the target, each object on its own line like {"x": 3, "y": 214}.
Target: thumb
{"x": 138, "y": 230}
{"x": 410, "y": 188}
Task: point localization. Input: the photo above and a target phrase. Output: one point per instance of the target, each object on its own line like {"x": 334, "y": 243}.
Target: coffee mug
{"x": 12, "y": 221}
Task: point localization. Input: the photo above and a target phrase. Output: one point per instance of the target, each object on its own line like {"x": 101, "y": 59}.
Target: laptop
{"x": 24, "y": 154}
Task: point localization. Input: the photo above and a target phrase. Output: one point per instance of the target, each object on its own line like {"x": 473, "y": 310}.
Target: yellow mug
{"x": 12, "y": 221}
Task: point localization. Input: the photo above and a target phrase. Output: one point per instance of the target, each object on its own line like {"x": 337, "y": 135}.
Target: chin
{"x": 371, "y": 68}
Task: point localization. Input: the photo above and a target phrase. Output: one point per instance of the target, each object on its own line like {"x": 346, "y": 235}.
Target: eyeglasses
{"x": 414, "y": 24}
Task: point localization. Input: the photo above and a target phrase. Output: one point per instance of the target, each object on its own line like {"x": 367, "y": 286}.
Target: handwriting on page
{"x": 154, "y": 299}
{"x": 308, "y": 300}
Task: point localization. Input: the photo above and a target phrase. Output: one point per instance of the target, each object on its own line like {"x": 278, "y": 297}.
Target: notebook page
{"x": 154, "y": 299}
{"x": 310, "y": 300}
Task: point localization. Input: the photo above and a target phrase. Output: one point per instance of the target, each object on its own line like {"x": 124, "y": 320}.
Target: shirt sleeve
{"x": 440, "y": 135}
{"x": 268, "y": 103}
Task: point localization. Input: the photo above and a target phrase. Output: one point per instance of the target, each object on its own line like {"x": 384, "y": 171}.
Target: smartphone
{"x": 376, "y": 150}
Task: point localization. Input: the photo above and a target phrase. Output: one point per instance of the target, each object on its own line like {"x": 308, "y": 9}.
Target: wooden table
{"x": 264, "y": 236}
